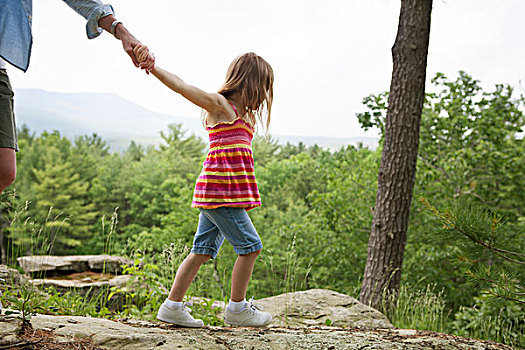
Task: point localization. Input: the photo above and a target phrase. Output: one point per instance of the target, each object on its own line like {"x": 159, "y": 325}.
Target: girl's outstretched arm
{"x": 211, "y": 102}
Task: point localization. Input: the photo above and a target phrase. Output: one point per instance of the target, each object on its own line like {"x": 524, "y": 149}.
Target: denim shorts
{"x": 231, "y": 223}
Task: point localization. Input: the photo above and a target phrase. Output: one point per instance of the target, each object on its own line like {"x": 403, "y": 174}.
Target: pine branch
{"x": 449, "y": 224}
{"x": 499, "y": 284}
{"x": 506, "y": 297}
{"x": 499, "y": 252}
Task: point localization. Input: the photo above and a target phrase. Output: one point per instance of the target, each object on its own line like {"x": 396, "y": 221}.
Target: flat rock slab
{"x": 9, "y": 329}
{"x": 120, "y": 281}
{"x": 315, "y": 306}
{"x": 133, "y": 335}
{"x": 51, "y": 264}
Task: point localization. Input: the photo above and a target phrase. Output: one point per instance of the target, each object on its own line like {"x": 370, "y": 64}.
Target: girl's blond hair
{"x": 250, "y": 78}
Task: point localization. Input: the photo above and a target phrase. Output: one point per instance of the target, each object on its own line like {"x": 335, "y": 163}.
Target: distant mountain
{"x": 120, "y": 121}
{"x": 103, "y": 113}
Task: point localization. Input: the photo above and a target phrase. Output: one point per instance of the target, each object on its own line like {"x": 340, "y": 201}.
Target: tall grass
{"x": 29, "y": 237}
{"x": 426, "y": 309}
{"x": 498, "y": 320}
{"x": 288, "y": 276}
{"x": 496, "y": 328}
{"x": 422, "y": 309}
{"x": 414, "y": 308}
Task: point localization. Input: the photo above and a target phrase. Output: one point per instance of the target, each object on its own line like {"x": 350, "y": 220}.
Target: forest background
{"x": 77, "y": 197}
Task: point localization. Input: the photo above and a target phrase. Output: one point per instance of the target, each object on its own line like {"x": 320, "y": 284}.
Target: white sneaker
{"x": 179, "y": 316}
{"x": 250, "y": 316}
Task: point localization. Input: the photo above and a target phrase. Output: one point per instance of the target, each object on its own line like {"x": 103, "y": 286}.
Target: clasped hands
{"x": 144, "y": 57}
{"x": 134, "y": 48}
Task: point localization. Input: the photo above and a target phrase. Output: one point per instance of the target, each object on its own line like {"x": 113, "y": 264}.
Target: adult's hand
{"x": 129, "y": 42}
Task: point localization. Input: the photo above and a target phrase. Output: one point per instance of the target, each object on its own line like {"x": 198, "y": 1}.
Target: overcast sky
{"x": 326, "y": 55}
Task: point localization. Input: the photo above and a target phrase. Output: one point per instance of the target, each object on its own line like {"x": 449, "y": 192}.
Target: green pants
{"x": 7, "y": 115}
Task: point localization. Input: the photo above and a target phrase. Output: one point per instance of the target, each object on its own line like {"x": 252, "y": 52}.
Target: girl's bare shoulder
{"x": 225, "y": 114}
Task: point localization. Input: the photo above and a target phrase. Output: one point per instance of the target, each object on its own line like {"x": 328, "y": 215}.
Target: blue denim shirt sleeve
{"x": 15, "y": 32}
{"x": 92, "y": 10}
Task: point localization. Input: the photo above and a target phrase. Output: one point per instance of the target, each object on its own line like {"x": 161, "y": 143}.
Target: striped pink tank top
{"x": 227, "y": 178}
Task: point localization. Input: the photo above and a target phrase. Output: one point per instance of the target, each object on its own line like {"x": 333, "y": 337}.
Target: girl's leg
{"x": 241, "y": 274}
{"x": 185, "y": 275}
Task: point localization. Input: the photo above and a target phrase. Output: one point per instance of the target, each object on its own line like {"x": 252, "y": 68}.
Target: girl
{"x": 226, "y": 187}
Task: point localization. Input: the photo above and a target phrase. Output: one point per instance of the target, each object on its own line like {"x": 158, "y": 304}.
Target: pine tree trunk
{"x": 398, "y": 160}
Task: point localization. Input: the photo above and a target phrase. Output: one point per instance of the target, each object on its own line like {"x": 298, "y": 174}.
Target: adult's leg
{"x": 185, "y": 275}
{"x": 241, "y": 275}
{"x": 7, "y": 167}
{"x": 8, "y": 140}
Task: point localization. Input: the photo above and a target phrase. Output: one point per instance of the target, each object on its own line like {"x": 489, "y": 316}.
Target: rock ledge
{"x": 133, "y": 335}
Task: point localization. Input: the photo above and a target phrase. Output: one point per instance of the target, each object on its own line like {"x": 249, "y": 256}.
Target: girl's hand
{"x": 144, "y": 57}
{"x": 141, "y": 53}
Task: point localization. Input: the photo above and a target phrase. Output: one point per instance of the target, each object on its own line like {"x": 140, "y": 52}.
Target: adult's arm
{"x": 129, "y": 42}
{"x": 100, "y": 16}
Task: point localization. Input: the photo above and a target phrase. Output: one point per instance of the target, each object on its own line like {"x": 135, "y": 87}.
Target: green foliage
{"x": 152, "y": 276}
{"x": 205, "y": 310}
{"x": 342, "y": 214}
{"x": 266, "y": 149}
{"x": 24, "y": 302}
{"x": 75, "y": 303}
{"x": 491, "y": 250}
{"x": 29, "y": 236}
{"x": 144, "y": 293}
{"x": 60, "y": 192}
{"x": 470, "y": 147}
{"x": 492, "y": 255}
{"x": 27, "y": 300}
{"x": 469, "y": 143}
{"x": 486, "y": 320}
{"x": 76, "y": 197}
{"x": 469, "y": 137}
{"x": 376, "y": 114}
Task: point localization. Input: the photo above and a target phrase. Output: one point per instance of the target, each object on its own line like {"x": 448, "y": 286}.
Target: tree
{"x": 469, "y": 139}
{"x": 61, "y": 195}
{"x": 398, "y": 160}
{"x": 490, "y": 247}
{"x": 491, "y": 252}
{"x": 470, "y": 148}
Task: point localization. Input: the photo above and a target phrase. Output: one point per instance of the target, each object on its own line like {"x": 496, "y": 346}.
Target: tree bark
{"x": 398, "y": 160}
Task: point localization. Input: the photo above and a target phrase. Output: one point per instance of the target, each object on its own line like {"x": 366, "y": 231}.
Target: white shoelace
{"x": 252, "y": 307}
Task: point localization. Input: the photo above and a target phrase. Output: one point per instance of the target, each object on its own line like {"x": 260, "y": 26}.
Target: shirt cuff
{"x": 92, "y": 28}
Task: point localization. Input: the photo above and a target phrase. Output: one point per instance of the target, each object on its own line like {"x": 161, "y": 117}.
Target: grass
{"x": 422, "y": 309}
{"x": 496, "y": 328}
